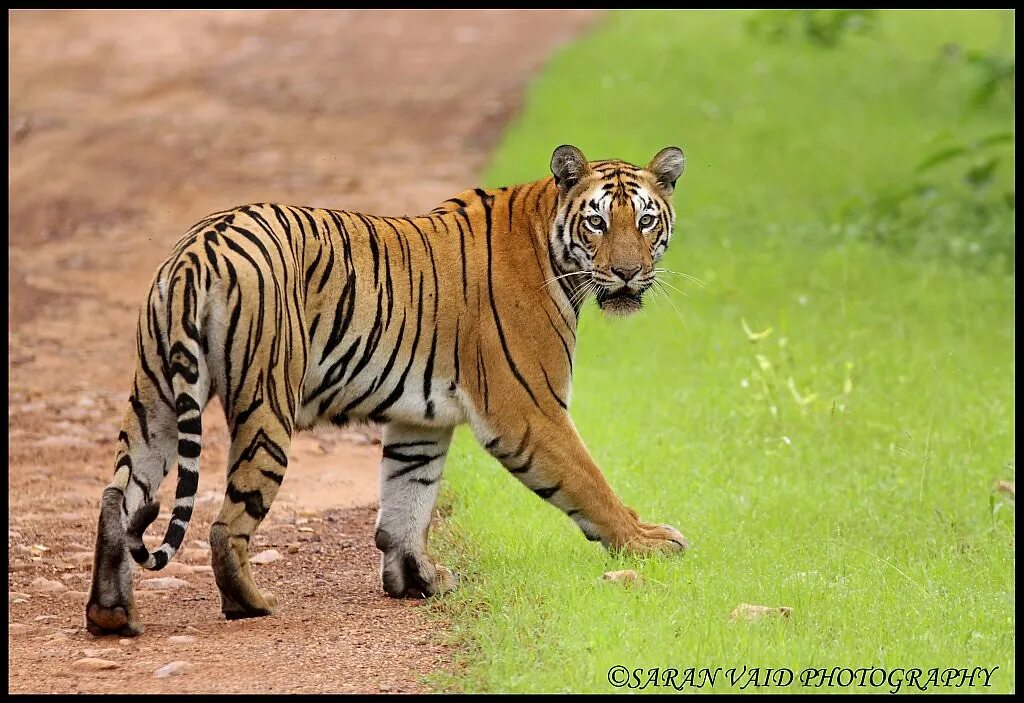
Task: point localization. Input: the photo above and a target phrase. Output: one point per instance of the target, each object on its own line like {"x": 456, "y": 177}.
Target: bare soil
{"x": 124, "y": 129}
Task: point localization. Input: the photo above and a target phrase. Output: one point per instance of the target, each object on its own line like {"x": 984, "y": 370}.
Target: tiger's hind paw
{"x": 265, "y": 604}
{"x": 114, "y": 620}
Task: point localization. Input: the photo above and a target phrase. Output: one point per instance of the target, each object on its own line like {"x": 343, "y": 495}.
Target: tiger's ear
{"x": 569, "y": 166}
{"x": 667, "y": 166}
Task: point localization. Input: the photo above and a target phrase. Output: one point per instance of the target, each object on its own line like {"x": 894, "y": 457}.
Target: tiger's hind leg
{"x": 145, "y": 452}
{"x": 410, "y": 477}
{"x": 258, "y": 459}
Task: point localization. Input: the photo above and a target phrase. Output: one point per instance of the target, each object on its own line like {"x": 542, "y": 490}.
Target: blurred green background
{"x": 824, "y": 408}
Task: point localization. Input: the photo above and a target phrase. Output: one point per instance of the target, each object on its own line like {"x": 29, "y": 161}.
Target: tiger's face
{"x": 614, "y": 222}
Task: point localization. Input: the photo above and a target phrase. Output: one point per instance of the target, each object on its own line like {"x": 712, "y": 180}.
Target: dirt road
{"x": 124, "y": 129}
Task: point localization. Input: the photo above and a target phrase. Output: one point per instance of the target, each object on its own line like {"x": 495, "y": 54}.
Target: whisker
{"x": 578, "y": 295}
{"x": 684, "y": 275}
{"x": 551, "y": 280}
{"x": 673, "y": 288}
{"x": 674, "y": 307}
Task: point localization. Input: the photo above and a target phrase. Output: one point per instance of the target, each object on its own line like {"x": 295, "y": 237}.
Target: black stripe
{"x": 273, "y": 476}
{"x": 253, "y": 501}
{"x": 524, "y": 467}
{"x": 140, "y": 414}
{"x": 462, "y": 259}
{"x": 371, "y": 344}
{"x": 139, "y": 553}
{"x": 145, "y": 488}
{"x": 481, "y": 371}
{"x": 328, "y": 267}
{"x": 376, "y": 413}
{"x": 260, "y": 303}
{"x": 192, "y": 425}
{"x": 188, "y": 484}
{"x": 455, "y": 354}
{"x": 161, "y": 559}
{"x": 405, "y": 445}
{"x": 260, "y": 441}
{"x": 487, "y": 202}
{"x": 188, "y": 449}
{"x": 185, "y": 403}
{"x": 334, "y": 374}
{"x": 343, "y": 312}
{"x": 372, "y": 238}
{"x": 175, "y": 532}
{"x": 428, "y": 372}
{"x": 393, "y": 455}
{"x": 546, "y": 493}
{"x": 236, "y": 314}
{"x": 565, "y": 345}
{"x": 209, "y": 240}
{"x": 312, "y": 267}
{"x": 411, "y": 467}
{"x": 240, "y": 418}
{"x": 552, "y": 390}
{"x": 389, "y": 287}
{"x": 190, "y": 368}
{"x": 312, "y": 327}
{"x": 411, "y": 461}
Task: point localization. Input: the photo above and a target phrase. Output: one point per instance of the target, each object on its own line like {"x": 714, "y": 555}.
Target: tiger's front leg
{"x": 549, "y": 457}
{"x": 410, "y": 476}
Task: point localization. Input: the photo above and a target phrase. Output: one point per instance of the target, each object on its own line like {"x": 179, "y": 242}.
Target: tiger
{"x": 294, "y": 316}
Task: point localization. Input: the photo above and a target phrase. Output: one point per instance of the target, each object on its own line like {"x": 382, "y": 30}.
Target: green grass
{"x": 863, "y": 499}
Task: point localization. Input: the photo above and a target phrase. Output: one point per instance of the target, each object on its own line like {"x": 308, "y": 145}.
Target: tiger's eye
{"x": 596, "y": 221}
{"x": 646, "y": 221}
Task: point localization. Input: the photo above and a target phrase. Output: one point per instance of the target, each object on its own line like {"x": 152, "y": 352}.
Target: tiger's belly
{"x": 437, "y": 403}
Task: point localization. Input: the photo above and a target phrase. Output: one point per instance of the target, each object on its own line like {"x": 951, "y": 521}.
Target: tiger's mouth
{"x": 620, "y": 302}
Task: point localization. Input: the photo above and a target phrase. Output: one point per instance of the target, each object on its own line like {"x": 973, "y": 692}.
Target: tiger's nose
{"x": 626, "y": 274}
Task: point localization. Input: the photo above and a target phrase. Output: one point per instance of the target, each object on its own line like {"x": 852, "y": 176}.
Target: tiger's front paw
{"x": 409, "y": 575}
{"x": 657, "y": 538}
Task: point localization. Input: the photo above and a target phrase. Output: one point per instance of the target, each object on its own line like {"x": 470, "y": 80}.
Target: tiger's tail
{"x": 190, "y": 384}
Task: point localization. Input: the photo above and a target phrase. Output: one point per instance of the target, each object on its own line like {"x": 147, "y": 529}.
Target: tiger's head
{"x": 614, "y": 221}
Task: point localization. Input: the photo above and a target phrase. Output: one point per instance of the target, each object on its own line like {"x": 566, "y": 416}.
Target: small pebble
{"x": 176, "y": 568}
{"x": 80, "y": 557}
{"x": 47, "y": 586}
{"x": 624, "y": 576}
{"x": 268, "y": 556}
{"x": 92, "y": 664}
{"x": 162, "y": 584}
{"x": 751, "y": 613}
{"x": 175, "y": 668}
